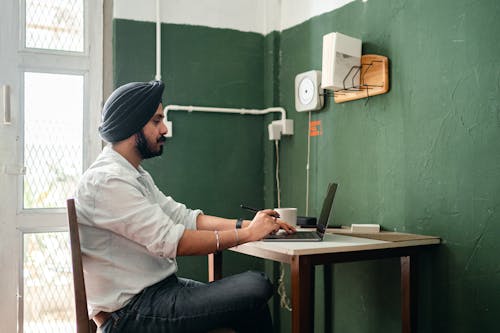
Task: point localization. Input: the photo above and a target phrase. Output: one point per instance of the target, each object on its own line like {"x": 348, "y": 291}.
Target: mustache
{"x": 161, "y": 139}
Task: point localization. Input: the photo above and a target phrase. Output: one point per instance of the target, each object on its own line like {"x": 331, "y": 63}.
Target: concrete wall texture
{"x": 423, "y": 158}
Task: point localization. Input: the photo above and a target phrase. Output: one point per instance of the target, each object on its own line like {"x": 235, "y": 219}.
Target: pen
{"x": 255, "y": 210}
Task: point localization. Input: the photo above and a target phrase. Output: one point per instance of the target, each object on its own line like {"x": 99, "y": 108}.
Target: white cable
{"x": 284, "y": 300}
{"x": 278, "y": 188}
{"x": 307, "y": 165}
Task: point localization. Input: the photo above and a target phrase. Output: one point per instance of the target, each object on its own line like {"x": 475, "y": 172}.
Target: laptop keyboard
{"x": 299, "y": 235}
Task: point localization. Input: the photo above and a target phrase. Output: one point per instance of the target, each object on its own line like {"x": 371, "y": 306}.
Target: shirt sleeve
{"x": 122, "y": 207}
{"x": 177, "y": 211}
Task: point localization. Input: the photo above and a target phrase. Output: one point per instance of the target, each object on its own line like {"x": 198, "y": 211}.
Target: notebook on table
{"x": 310, "y": 236}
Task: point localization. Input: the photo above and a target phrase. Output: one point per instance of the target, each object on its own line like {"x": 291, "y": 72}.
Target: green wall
{"x": 213, "y": 161}
{"x": 423, "y": 158}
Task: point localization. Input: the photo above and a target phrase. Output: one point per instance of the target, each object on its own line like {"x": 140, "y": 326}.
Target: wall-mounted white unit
{"x": 341, "y": 58}
{"x": 308, "y": 95}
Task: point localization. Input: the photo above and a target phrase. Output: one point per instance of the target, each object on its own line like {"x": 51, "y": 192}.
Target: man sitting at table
{"x": 131, "y": 234}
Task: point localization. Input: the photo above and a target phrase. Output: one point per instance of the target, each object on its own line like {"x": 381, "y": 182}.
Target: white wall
{"x": 294, "y": 12}
{"x": 261, "y": 16}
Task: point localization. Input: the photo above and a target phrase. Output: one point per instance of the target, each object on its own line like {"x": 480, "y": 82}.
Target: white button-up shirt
{"x": 129, "y": 231}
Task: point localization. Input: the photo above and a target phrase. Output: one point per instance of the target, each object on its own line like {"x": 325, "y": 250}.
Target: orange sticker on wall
{"x": 315, "y": 128}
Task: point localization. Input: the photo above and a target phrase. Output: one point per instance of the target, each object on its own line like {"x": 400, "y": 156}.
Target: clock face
{"x": 308, "y": 96}
{"x": 306, "y": 90}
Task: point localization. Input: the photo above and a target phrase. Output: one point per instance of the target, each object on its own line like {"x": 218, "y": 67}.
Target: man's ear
{"x": 137, "y": 137}
{"x": 132, "y": 139}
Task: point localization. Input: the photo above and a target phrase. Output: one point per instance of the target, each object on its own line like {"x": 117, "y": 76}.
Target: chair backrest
{"x": 83, "y": 324}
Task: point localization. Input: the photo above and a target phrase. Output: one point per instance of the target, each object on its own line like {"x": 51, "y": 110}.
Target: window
{"x": 54, "y": 71}
{"x": 53, "y": 132}
{"x": 48, "y": 283}
{"x": 55, "y": 25}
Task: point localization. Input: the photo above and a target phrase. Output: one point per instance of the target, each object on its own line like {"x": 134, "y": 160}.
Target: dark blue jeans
{"x": 176, "y": 305}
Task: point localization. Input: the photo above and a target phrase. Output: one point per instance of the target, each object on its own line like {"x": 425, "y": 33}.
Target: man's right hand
{"x": 266, "y": 222}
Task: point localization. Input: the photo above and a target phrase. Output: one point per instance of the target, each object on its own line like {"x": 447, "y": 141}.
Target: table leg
{"x": 302, "y": 294}
{"x": 328, "y": 297}
{"x": 214, "y": 266}
{"x": 408, "y": 294}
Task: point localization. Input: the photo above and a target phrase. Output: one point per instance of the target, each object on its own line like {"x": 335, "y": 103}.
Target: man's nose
{"x": 164, "y": 128}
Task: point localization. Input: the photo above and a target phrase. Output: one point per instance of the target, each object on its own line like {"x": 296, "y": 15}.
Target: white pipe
{"x": 224, "y": 110}
{"x": 158, "y": 41}
{"x": 6, "y": 104}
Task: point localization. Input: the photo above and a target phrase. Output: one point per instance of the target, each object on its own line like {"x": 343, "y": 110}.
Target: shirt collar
{"x": 122, "y": 161}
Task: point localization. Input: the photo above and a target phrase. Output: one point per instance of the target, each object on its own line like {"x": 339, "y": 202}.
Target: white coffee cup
{"x": 289, "y": 215}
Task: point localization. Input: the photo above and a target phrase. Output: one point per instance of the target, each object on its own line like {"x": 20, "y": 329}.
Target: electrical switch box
{"x": 341, "y": 62}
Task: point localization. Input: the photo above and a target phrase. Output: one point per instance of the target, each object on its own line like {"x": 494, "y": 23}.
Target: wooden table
{"x": 338, "y": 245}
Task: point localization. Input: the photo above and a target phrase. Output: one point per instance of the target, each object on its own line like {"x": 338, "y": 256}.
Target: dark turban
{"x": 129, "y": 108}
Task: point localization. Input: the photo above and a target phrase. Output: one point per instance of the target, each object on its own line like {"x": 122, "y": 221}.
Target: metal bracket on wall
{"x": 373, "y": 79}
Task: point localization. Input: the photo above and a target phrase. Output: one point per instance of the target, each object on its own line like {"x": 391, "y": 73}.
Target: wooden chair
{"x": 83, "y": 324}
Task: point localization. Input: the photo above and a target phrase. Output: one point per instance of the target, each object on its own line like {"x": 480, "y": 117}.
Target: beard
{"x": 145, "y": 149}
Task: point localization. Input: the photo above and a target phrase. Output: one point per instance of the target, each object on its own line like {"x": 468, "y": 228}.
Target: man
{"x": 131, "y": 234}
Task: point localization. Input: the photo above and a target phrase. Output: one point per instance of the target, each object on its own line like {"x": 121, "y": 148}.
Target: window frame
{"x": 86, "y": 150}
{"x": 64, "y": 62}
{"x": 89, "y": 64}
{"x": 86, "y": 34}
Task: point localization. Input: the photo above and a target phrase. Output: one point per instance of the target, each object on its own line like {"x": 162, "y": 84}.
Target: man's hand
{"x": 290, "y": 229}
{"x": 266, "y": 222}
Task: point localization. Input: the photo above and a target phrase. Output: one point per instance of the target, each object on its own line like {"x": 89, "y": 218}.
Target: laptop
{"x": 309, "y": 236}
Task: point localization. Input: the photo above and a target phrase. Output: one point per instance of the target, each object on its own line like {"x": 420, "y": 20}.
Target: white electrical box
{"x": 341, "y": 61}
{"x": 308, "y": 92}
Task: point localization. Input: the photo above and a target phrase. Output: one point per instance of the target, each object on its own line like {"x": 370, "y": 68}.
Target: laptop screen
{"x": 327, "y": 207}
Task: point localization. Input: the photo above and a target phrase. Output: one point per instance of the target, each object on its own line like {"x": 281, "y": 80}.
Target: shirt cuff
{"x": 191, "y": 219}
